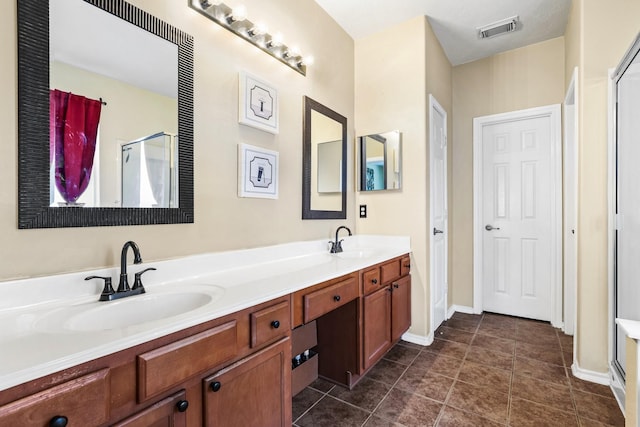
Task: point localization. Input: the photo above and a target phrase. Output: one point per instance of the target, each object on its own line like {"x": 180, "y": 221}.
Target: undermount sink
{"x": 126, "y": 312}
{"x": 355, "y": 254}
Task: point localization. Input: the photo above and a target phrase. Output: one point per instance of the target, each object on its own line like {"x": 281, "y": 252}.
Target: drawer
{"x": 270, "y": 323}
{"x": 168, "y": 366}
{"x": 390, "y": 271}
{"x": 324, "y": 300}
{"x": 371, "y": 281}
{"x": 405, "y": 265}
{"x": 83, "y": 401}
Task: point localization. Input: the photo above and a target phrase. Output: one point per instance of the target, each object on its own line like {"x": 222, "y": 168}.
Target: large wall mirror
{"x": 324, "y": 163}
{"x": 380, "y": 161}
{"x": 105, "y": 116}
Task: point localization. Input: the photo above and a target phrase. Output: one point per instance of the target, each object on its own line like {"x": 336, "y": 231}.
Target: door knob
{"x": 490, "y": 227}
{"x": 436, "y": 231}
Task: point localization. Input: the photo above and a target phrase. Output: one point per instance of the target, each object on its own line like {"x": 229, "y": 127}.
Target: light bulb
{"x": 307, "y": 60}
{"x": 258, "y": 30}
{"x": 275, "y": 41}
{"x": 206, "y": 4}
{"x": 239, "y": 13}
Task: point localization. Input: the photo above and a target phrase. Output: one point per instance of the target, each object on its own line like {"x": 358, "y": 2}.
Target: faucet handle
{"x": 137, "y": 283}
{"x": 108, "y": 289}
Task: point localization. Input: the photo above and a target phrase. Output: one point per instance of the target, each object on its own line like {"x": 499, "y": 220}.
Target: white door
{"x": 516, "y": 209}
{"x": 570, "y": 203}
{"x": 438, "y": 204}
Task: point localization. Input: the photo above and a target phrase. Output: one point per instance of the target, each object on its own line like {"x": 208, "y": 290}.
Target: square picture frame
{"x": 257, "y": 172}
{"x": 258, "y": 104}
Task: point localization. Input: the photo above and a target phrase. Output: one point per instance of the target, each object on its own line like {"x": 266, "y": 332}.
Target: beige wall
{"x": 523, "y": 78}
{"x": 607, "y": 30}
{"x": 222, "y": 220}
{"x": 391, "y": 92}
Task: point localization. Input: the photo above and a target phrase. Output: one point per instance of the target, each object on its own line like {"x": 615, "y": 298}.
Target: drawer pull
{"x": 407, "y": 265}
{"x": 275, "y": 324}
{"x": 336, "y": 298}
{"x": 374, "y": 281}
{"x": 58, "y": 421}
{"x": 215, "y": 386}
{"x": 182, "y": 405}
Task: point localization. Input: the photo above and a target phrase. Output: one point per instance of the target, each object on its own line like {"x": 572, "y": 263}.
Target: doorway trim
{"x": 554, "y": 113}
{"x": 434, "y": 105}
{"x": 570, "y": 163}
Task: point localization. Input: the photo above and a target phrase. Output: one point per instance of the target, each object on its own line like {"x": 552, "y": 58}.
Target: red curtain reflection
{"x": 74, "y": 124}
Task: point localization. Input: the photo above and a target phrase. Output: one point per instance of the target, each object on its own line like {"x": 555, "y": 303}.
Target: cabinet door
{"x": 377, "y": 328}
{"x": 401, "y": 307}
{"x": 169, "y": 412}
{"x": 256, "y": 391}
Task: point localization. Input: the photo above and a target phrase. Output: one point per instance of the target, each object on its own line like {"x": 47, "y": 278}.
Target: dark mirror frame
{"x": 363, "y": 160}
{"x": 307, "y": 212}
{"x": 33, "y": 124}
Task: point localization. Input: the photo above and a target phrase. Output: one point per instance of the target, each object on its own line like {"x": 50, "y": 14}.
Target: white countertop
{"x": 630, "y": 327}
{"x": 36, "y": 338}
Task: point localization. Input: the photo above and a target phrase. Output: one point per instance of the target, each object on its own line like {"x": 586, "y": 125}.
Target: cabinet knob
{"x": 374, "y": 281}
{"x": 336, "y": 298}
{"x": 395, "y": 285}
{"x": 182, "y": 405}
{"x": 407, "y": 265}
{"x": 275, "y": 324}
{"x": 58, "y": 421}
{"x": 215, "y": 386}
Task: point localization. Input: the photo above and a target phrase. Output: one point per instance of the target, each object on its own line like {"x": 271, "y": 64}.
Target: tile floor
{"x": 481, "y": 370}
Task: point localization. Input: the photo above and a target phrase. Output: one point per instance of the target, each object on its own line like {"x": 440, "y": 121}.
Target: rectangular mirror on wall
{"x": 380, "y": 161}
{"x": 324, "y": 170}
{"x": 95, "y": 76}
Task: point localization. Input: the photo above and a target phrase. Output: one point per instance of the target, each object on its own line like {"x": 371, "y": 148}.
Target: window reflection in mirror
{"x": 380, "y": 161}
{"x": 135, "y": 73}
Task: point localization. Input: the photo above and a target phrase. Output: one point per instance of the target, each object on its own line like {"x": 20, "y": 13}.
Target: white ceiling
{"x": 455, "y": 22}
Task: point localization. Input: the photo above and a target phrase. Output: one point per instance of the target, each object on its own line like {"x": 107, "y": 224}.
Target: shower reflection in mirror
{"x": 148, "y": 172}
{"x": 380, "y": 161}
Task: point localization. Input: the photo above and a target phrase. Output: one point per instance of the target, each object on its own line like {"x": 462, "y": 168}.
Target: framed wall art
{"x": 257, "y": 172}
{"x": 258, "y": 104}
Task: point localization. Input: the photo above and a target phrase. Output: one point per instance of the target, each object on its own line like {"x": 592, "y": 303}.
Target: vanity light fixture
{"x": 235, "y": 20}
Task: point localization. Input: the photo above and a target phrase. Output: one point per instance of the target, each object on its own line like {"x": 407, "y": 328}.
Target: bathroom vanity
{"x": 225, "y": 358}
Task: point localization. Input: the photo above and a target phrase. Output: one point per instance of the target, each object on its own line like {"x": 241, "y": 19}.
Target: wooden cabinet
{"x": 386, "y": 311}
{"x": 377, "y": 325}
{"x": 83, "y": 401}
{"x": 400, "y": 307}
{"x": 233, "y": 370}
{"x": 169, "y": 412}
{"x": 256, "y": 391}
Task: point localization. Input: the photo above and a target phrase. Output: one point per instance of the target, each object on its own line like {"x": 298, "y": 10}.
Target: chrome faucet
{"x": 336, "y": 246}
{"x": 108, "y": 294}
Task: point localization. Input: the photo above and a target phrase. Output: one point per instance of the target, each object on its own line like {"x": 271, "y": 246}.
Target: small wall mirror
{"x": 380, "y": 161}
{"x": 135, "y": 165}
{"x": 324, "y": 169}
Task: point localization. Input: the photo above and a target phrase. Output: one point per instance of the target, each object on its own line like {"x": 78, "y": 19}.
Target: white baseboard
{"x": 418, "y": 339}
{"x": 460, "y": 309}
{"x": 592, "y": 376}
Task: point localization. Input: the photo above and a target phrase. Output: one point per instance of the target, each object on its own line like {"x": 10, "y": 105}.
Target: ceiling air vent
{"x": 500, "y": 27}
